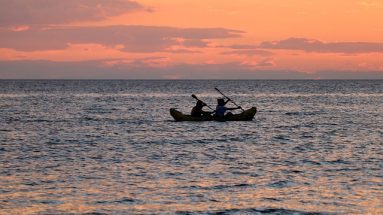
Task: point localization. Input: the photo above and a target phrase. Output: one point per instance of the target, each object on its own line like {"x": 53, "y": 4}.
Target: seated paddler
{"x": 221, "y": 109}
{"x": 198, "y": 112}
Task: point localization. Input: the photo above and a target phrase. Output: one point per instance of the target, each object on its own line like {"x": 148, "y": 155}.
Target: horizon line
{"x": 184, "y": 79}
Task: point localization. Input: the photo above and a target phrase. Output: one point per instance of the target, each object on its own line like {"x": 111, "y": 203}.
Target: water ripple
{"x": 111, "y": 147}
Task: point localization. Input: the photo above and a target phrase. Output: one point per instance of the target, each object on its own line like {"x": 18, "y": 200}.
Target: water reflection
{"x": 111, "y": 147}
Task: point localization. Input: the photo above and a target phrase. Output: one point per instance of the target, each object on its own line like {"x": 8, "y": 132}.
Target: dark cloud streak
{"x": 42, "y": 12}
{"x": 248, "y": 52}
{"x": 309, "y": 45}
{"x": 133, "y": 38}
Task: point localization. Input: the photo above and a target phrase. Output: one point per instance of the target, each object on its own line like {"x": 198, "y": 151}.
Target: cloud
{"x": 266, "y": 62}
{"x": 128, "y": 38}
{"x": 369, "y": 5}
{"x": 240, "y": 46}
{"x": 182, "y": 51}
{"x": 144, "y": 69}
{"x": 249, "y": 52}
{"x": 245, "y": 49}
{"x": 32, "y": 12}
{"x": 195, "y": 43}
{"x": 310, "y": 45}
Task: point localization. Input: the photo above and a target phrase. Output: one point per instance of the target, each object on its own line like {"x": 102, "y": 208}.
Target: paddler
{"x": 221, "y": 109}
{"x": 198, "y": 112}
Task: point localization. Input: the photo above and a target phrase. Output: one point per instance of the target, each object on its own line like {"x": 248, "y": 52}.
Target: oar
{"x": 228, "y": 98}
{"x": 194, "y": 96}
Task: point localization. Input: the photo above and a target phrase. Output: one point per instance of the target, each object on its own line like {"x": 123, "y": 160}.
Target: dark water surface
{"x": 111, "y": 147}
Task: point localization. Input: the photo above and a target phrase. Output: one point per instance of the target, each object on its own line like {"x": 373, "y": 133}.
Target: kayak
{"x": 246, "y": 115}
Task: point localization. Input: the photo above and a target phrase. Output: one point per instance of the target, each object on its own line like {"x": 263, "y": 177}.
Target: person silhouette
{"x": 197, "y": 110}
{"x": 221, "y": 109}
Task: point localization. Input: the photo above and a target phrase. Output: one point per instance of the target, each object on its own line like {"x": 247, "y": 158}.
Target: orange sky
{"x": 250, "y": 35}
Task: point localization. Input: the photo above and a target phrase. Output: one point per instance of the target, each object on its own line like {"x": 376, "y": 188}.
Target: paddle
{"x": 228, "y": 98}
{"x": 194, "y": 96}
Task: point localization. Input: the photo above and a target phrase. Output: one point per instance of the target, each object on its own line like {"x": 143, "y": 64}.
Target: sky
{"x": 191, "y": 39}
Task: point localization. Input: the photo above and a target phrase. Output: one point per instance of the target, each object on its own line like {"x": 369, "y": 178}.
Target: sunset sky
{"x": 177, "y": 39}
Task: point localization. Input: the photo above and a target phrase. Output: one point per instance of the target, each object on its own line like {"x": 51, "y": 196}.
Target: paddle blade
{"x": 194, "y": 96}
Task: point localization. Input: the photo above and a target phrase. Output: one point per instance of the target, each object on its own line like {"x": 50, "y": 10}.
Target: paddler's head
{"x": 221, "y": 102}
{"x": 199, "y": 103}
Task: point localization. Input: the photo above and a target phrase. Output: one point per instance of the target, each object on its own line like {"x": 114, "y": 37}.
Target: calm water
{"x": 112, "y": 147}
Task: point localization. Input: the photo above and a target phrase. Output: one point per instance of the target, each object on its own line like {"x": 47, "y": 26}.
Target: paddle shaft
{"x": 228, "y": 98}
{"x": 194, "y": 96}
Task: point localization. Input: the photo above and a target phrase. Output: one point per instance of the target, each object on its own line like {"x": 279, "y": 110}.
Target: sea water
{"x": 108, "y": 146}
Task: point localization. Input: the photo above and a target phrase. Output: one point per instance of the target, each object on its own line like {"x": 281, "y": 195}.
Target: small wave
{"x": 220, "y": 187}
{"x": 271, "y": 199}
{"x": 293, "y": 113}
{"x": 337, "y": 161}
{"x": 281, "y": 137}
{"x": 31, "y": 183}
{"x": 13, "y": 119}
{"x": 307, "y": 136}
{"x": 280, "y": 184}
{"x": 47, "y": 201}
{"x": 125, "y": 200}
{"x": 294, "y": 171}
{"x": 343, "y": 170}
{"x": 54, "y": 142}
{"x": 95, "y": 213}
{"x": 87, "y": 118}
{"x": 302, "y": 148}
{"x": 253, "y": 211}
{"x": 39, "y": 120}
{"x": 303, "y": 113}
{"x": 6, "y": 130}
{"x": 5, "y": 106}
{"x": 311, "y": 162}
{"x": 239, "y": 172}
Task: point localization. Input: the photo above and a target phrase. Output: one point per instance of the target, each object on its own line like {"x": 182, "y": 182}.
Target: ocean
{"x": 111, "y": 147}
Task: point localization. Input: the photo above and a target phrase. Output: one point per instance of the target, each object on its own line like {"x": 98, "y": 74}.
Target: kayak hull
{"x": 246, "y": 115}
